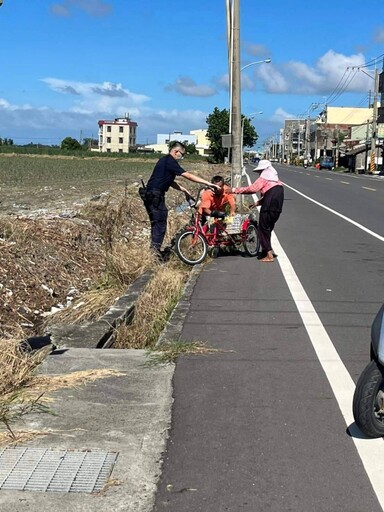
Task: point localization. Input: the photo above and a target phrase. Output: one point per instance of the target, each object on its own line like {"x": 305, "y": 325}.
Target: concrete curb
{"x": 172, "y": 331}
{"x": 99, "y": 334}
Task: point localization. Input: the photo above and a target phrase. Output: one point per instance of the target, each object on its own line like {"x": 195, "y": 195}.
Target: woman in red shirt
{"x": 271, "y": 201}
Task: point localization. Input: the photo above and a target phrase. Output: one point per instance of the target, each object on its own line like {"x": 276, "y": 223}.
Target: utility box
{"x": 226, "y": 140}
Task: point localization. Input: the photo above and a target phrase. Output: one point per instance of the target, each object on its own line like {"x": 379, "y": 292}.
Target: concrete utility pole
{"x": 236, "y": 99}
{"x": 372, "y": 166}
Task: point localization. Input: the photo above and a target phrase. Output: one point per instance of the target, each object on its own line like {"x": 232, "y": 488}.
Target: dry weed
{"x": 16, "y": 371}
{"x": 48, "y": 383}
{"x": 153, "y": 308}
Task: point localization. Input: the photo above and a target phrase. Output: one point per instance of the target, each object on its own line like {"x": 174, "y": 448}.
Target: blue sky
{"x": 65, "y": 64}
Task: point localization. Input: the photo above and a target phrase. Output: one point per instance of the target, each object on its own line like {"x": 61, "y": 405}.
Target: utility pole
{"x": 236, "y": 99}
{"x": 372, "y": 166}
{"x": 366, "y": 147}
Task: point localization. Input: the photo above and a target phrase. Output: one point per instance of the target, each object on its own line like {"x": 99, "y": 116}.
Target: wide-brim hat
{"x": 263, "y": 164}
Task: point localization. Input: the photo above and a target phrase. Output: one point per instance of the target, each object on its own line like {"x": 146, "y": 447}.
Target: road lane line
{"x": 371, "y": 451}
{"x": 329, "y": 179}
{"x": 363, "y": 228}
{"x": 345, "y": 182}
{"x": 367, "y": 188}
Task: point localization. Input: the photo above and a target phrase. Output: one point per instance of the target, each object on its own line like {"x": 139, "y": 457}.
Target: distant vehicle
{"x": 326, "y": 162}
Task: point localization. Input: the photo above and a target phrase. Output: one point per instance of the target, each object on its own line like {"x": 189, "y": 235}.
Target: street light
{"x": 266, "y": 61}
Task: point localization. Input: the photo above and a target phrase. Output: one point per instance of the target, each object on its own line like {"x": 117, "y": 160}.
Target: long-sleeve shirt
{"x": 260, "y": 185}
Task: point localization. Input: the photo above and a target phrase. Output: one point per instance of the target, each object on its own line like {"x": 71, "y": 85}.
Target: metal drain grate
{"x": 41, "y": 469}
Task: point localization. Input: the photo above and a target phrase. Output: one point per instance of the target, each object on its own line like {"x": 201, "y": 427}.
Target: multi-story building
{"x": 118, "y": 136}
{"x": 196, "y": 137}
{"x": 293, "y": 143}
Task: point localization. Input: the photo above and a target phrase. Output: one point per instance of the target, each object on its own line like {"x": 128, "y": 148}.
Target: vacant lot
{"x": 58, "y": 220}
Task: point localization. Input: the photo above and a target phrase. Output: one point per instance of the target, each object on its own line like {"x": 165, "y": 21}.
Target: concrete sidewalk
{"x": 127, "y": 413}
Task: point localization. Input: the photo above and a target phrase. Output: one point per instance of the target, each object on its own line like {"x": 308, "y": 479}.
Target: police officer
{"x": 163, "y": 176}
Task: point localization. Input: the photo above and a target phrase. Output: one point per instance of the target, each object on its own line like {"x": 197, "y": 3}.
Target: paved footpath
{"x": 255, "y": 426}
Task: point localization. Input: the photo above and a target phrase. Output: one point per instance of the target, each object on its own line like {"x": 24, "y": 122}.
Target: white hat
{"x": 263, "y": 164}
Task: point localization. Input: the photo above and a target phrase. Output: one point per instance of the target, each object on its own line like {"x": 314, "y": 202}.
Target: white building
{"x": 196, "y": 137}
{"x": 118, "y": 136}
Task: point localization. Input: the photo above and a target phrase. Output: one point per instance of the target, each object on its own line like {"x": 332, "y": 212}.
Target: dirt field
{"x": 51, "y": 250}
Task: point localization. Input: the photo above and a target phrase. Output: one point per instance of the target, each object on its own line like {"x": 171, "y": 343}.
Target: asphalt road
{"x": 264, "y": 423}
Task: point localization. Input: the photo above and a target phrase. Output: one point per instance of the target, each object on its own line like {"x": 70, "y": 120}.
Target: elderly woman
{"x": 271, "y": 201}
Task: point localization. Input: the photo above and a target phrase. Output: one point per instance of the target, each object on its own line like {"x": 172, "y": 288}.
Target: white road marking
{"x": 367, "y": 188}
{"x": 371, "y": 451}
{"x": 330, "y": 179}
{"x": 345, "y": 182}
{"x": 363, "y": 228}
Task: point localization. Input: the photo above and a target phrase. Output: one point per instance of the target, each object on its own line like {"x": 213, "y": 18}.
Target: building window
{"x": 108, "y": 150}
{"x": 109, "y": 128}
{"x": 121, "y": 129}
{"x": 108, "y": 140}
{"x": 121, "y": 140}
{"x": 120, "y": 150}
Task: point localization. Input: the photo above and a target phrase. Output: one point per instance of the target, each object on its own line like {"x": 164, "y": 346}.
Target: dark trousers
{"x": 271, "y": 208}
{"x": 158, "y": 215}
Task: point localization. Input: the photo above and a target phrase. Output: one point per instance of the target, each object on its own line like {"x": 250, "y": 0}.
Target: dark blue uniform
{"x": 163, "y": 175}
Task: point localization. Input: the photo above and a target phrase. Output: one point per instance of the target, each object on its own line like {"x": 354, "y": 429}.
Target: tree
{"x": 89, "y": 143}
{"x": 218, "y": 125}
{"x": 249, "y": 133}
{"x": 190, "y": 149}
{"x": 70, "y": 144}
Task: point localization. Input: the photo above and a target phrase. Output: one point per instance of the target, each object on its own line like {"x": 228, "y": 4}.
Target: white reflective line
{"x": 330, "y": 179}
{"x": 379, "y": 237}
{"x": 371, "y": 451}
{"x": 367, "y": 188}
{"x": 345, "y": 182}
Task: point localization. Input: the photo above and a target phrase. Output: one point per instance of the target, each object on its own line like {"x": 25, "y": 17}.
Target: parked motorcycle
{"x": 368, "y": 399}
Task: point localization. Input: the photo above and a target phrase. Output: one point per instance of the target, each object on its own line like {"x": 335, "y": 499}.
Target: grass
{"x": 17, "y": 369}
{"x": 153, "y": 307}
{"x": 167, "y": 353}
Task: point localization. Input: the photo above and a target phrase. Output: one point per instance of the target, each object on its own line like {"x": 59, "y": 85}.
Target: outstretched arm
{"x": 192, "y": 177}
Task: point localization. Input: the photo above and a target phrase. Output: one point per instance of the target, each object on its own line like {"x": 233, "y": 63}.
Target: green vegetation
{"x": 218, "y": 125}
{"x": 23, "y": 170}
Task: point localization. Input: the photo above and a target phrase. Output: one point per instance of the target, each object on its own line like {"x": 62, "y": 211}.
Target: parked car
{"x": 326, "y": 162}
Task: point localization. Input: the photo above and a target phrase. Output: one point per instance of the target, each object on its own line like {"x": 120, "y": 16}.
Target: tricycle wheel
{"x": 191, "y": 248}
{"x": 251, "y": 242}
{"x": 368, "y": 401}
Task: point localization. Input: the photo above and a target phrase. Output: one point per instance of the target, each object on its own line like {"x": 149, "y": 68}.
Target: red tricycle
{"x": 199, "y": 239}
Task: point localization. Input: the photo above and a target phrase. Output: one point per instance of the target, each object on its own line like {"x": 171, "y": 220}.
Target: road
{"x": 265, "y": 423}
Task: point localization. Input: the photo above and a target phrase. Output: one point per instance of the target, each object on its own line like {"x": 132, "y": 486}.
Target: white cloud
{"x": 91, "y": 102}
{"x": 92, "y": 7}
{"x": 188, "y": 87}
{"x": 329, "y": 72}
{"x": 93, "y": 97}
{"x": 280, "y": 115}
{"x": 379, "y": 35}
{"x": 273, "y": 80}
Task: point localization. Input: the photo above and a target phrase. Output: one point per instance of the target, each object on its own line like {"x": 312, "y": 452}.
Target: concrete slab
{"x": 130, "y": 414}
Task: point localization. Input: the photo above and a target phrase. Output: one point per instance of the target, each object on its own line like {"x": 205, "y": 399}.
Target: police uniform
{"x": 163, "y": 175}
